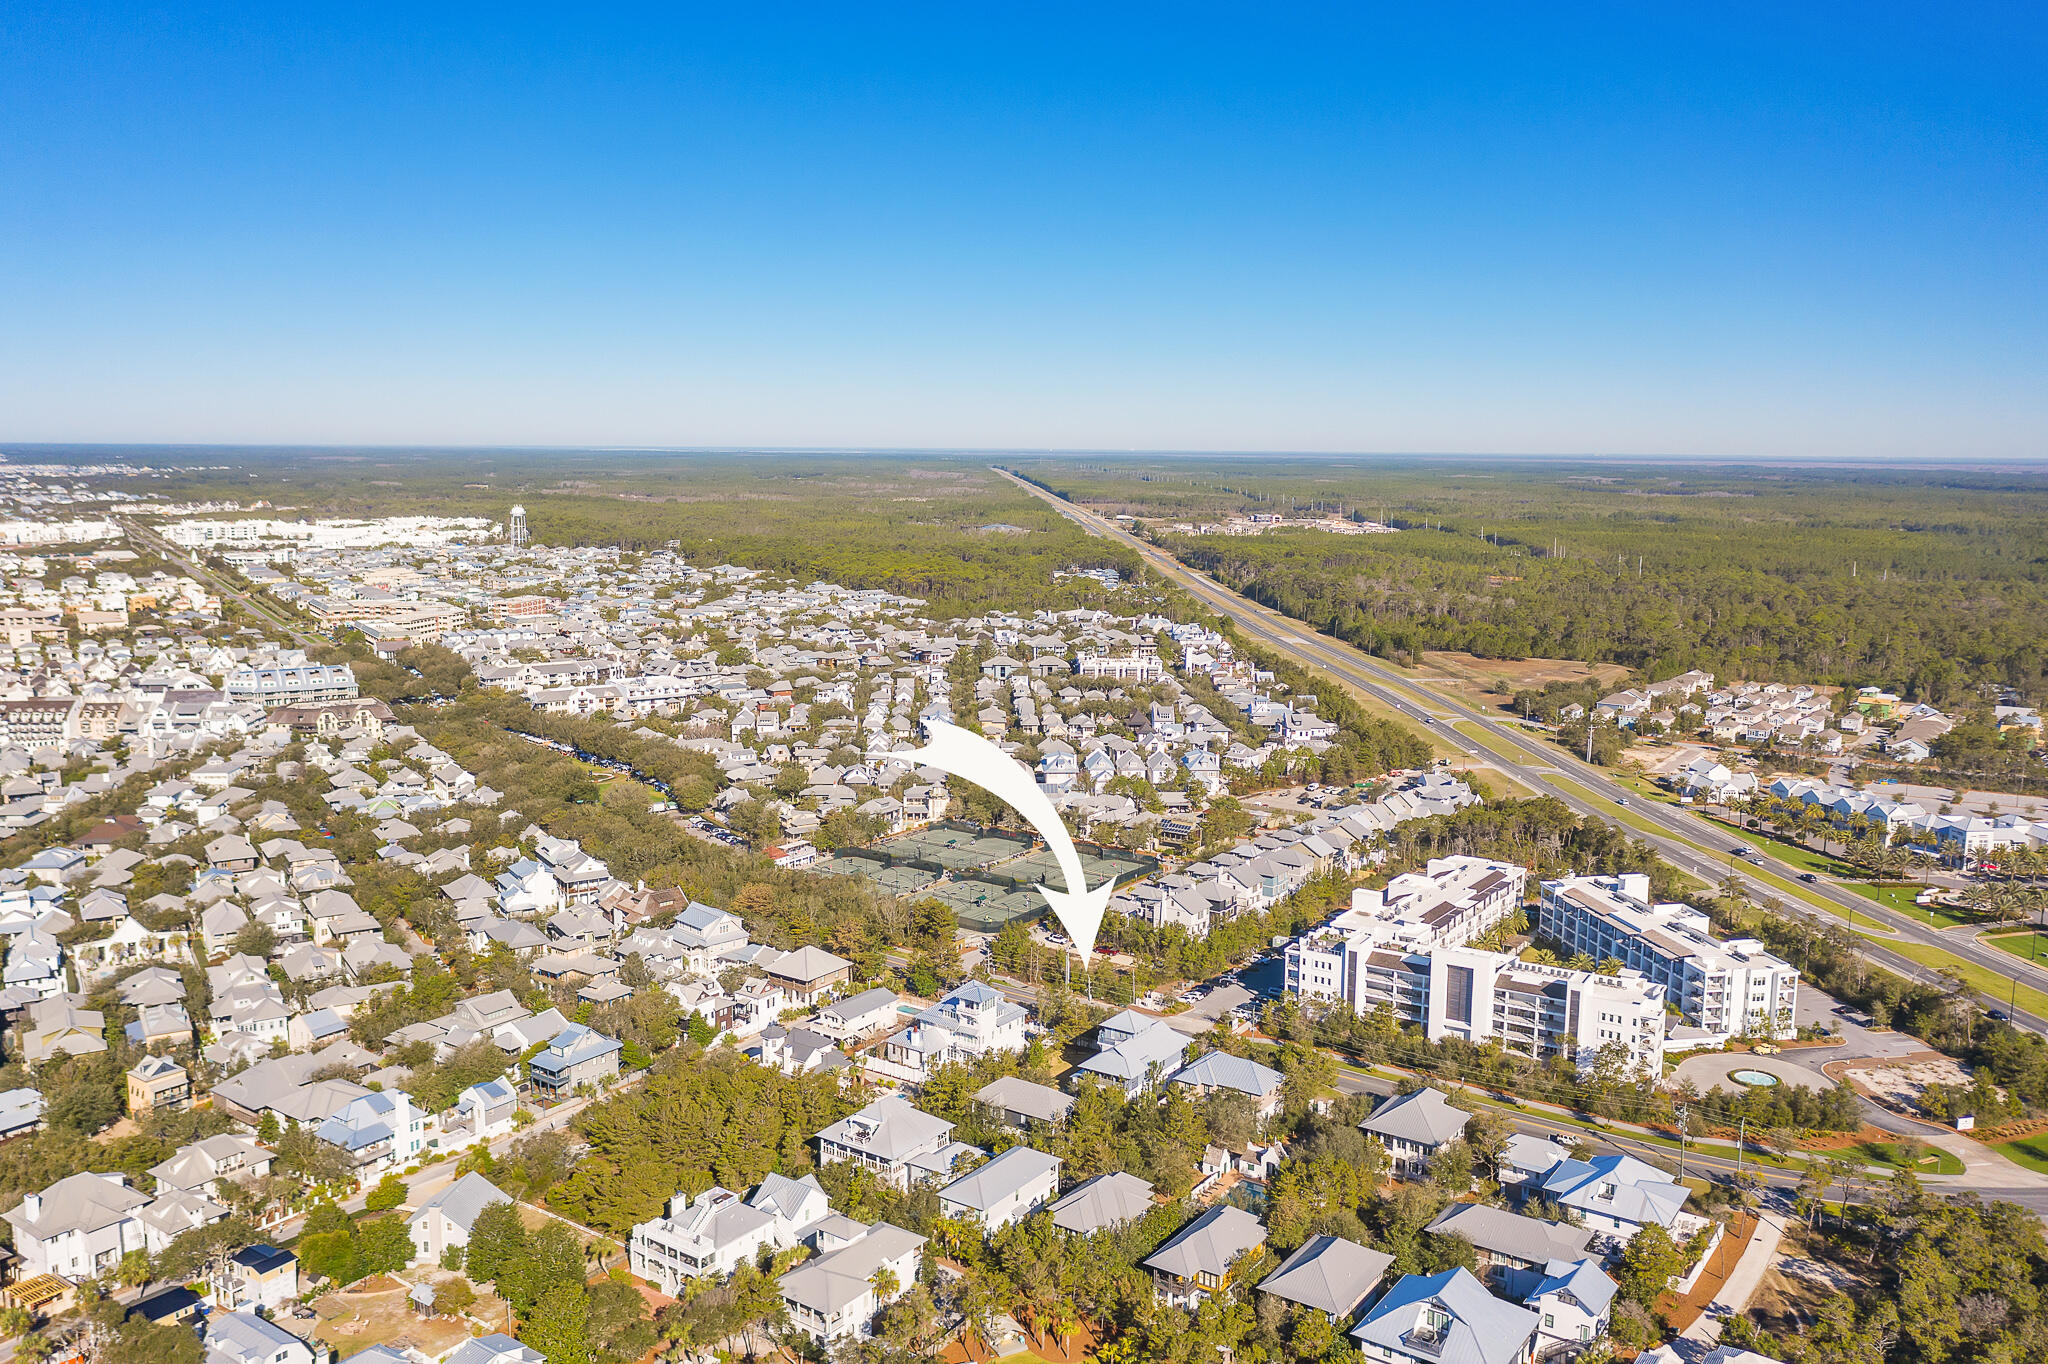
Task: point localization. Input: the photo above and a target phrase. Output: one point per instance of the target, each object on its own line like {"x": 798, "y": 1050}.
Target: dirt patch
{"x": 1793, "y": 1289}
{"x": 1835, "y": 1141}
{"x": 1902, "y": 1082}
{"x": 355, "y": 1321}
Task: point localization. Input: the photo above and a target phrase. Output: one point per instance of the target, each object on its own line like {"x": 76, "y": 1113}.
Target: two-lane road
{"x": 1680, "y": 837}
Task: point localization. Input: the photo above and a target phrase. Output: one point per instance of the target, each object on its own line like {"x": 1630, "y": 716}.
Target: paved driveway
{"x": 1705, "y": 1072}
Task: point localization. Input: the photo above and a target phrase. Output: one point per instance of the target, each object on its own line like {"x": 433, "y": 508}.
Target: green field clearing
{"x": 1932, "y": 1159}
{"x": 1798, "y": 854}
{"x": 1992, "y": 984}
{"x": 2028, "y": 944}
{"x": 2032, "y": 1152}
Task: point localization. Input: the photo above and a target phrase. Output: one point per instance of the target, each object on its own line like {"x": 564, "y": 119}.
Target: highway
{"x": 252, "y": 602}
{"x": 1682, "y": 838}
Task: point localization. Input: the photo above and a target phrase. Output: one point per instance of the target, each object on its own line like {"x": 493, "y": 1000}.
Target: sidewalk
{"x": 1742, "y": 1282}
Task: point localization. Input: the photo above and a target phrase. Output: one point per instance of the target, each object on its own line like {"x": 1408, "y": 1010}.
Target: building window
{"x": 1458, "y": 994}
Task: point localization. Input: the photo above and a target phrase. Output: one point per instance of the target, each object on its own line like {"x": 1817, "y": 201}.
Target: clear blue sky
{"x": 1772, "y": 229}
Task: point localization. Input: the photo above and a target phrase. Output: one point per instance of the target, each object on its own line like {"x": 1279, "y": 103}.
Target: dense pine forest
{"x": 1934, "y": 580}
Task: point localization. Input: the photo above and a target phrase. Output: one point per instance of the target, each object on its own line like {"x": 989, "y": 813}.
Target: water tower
{"x": 517, "y": 529}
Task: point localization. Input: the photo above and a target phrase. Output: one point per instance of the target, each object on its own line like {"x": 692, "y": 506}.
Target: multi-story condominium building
{"x": 36, "y": 723}
{"x": 1730, "y": 988}
{"x": 293, "y": 686}
{"x": 1447, "y": 904}
{"x": 1544, "y": 1011}
{"x": 1142, "y": 665}
{"x": 1405, "y": 948}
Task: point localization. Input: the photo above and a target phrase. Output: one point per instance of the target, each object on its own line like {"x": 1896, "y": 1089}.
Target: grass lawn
{"x": 1933, "y": 1160}
{"x": 1798, "y": 854}
{"x": 1517, "y": 752}
{"x": 2031, "y": 1152}
{"x": 1900, "y": 898}
{"x": 2028, "y": 944}
{"x": 1992, "y": 984}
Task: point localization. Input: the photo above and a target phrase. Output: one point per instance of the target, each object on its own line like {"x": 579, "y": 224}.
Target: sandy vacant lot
{"x": 1904, "y": 1081}
{"x": 355, "y": 1321}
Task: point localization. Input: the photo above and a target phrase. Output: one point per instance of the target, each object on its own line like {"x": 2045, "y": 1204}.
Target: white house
{"x": 1413, "y": 1127}
{"x": 836, "y": 1295}
{"x": 445, "y": 1220}
{"x": 712, "y": 1234}
{"x": 78, "y": 1227}
{"x": 1013, "y": 1185}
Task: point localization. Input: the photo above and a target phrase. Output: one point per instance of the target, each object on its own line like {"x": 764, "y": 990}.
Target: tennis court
{"x": 1043, "y": 866}
{"x": 984, "y": 906}
{"x": 954, "y": 849}
{"x": 892, "y": 880}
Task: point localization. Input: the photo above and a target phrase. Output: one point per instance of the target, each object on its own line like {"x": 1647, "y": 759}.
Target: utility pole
{"x": 1683, "y": 1113}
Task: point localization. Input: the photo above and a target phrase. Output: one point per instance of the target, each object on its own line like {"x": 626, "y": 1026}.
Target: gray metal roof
{"x": 1510, "y": 1235}
{"x": 1000, "y": 1178}
{"x": 1328, "y": 1273}
{"x": 1104, "y": 1201}
{"x": 1209, "y": 1243}
{"x": 1425, "y": 1118}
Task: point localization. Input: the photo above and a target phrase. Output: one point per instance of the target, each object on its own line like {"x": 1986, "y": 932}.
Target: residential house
{"x": 897, "y": 1141}
{"x": 78, "y": 1227}
{"x": 1103, "y": 1203}
{"x": 1198, "y": 1260}
{"x": 1507, "y": 1241}
{"x": 863, "y": 1015}
{"x": 1432, "y": 1318}
{"x": 577, "y": 1056}
{"x": 1618, "y": 1195}
{"x": 197, "y": 1166}
{"x": 973, "y": 1020}
{"x": 1012, "y": 1185}
{"x": 1021, "y": 1102}
{"x": 446, "y": 1219}
{"x": 1137, "y": 1062}
{"x": 261, "y": 1278}
{"x": 808, "y": 973}
{"x": 1330, "y": 1274}
{"x": 379, "y": 1130}
{"x": 481, "y": 1113}
{"x": 1573, "y": 1301}
{"x": 245, "y": 1338}
{"x": 1220, "y": 1072}
{"x": 714, "y": 1233}
{"x": 835, "y": 1296}
{"x": 496, "y": 1348}
{"x": 1413, "y": 1126}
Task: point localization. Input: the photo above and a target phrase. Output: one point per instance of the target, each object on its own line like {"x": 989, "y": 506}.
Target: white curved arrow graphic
{"x": 968, "y": 755}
